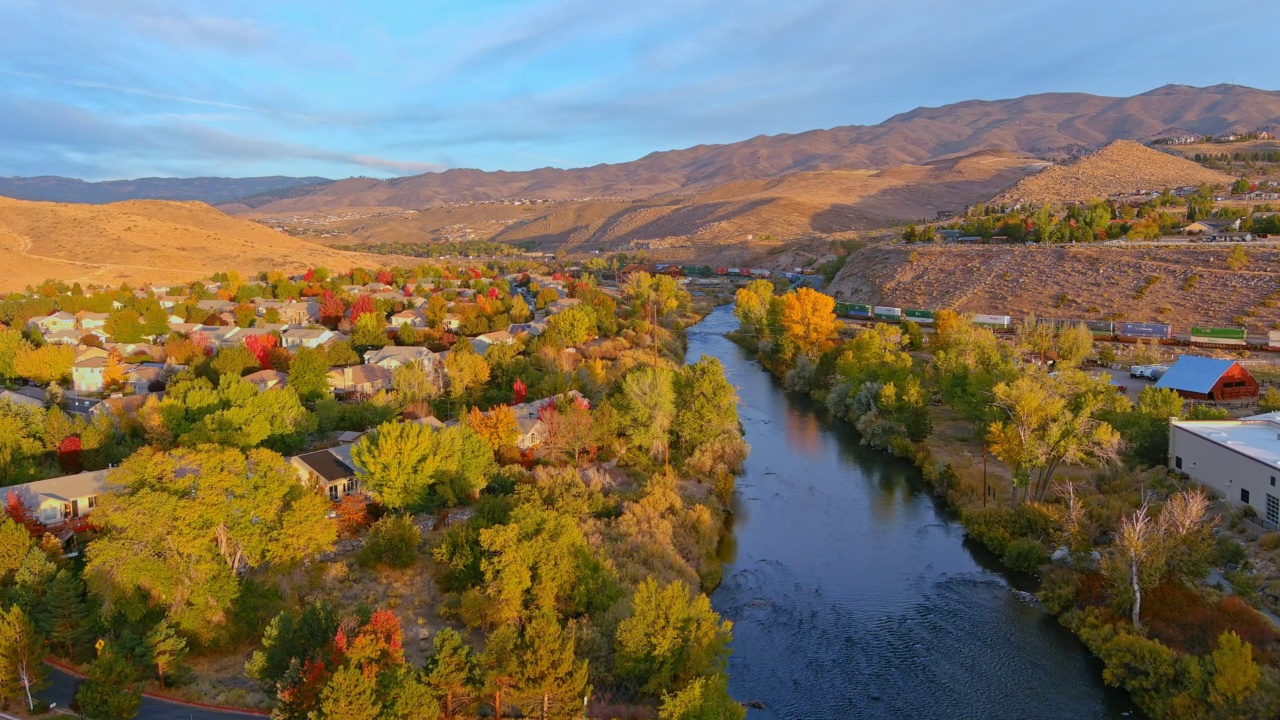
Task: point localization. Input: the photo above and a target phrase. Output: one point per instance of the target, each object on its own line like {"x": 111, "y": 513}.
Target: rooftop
{"x": 1194, "y": 374}
{"x": 1257, "y": 437}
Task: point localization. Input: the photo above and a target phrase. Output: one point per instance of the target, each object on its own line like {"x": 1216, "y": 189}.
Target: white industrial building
{"x": 1240, "y": 459}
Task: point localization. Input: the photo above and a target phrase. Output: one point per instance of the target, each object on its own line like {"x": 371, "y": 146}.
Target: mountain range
{"x": 54, "y": 188}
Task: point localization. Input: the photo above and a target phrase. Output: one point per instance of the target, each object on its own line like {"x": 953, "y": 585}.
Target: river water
{"x": 854, "y": 594}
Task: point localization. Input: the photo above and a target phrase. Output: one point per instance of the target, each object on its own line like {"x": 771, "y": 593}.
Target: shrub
{"x": 1059, "y": 591}
{"x": 392, "y": 541}
{"x": 1025, "y": 555}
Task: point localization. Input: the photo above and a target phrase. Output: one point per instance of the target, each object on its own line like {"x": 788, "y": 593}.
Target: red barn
{"x": 1201, "y": 378}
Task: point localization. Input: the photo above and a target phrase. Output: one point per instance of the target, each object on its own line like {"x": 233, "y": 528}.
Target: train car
{"x": 735, "y": 272}
{"x": 860, "y": 311}
{"x": 1273, "y": 339}
{"x": 919, "y": 317}
{"x": 1099, "y": 328}
{"x": 843, "y": 309}
{"x": 722, "y": 271}
{"x": 992, "y": 321}
{"x": 883, "y": 312}
{"x": 1230, "y": 337}
{"x": 1144, "y": 331}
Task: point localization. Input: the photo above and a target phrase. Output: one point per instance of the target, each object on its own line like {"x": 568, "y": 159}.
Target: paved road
{"x": 62, "y": 688}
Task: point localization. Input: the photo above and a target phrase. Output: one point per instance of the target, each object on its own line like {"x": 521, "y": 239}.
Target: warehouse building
{"x": 1239, "y": 459}
{"x": 1202, "y": 378}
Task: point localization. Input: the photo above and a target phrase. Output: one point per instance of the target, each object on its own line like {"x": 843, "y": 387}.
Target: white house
{"x": 1239, "y": 459}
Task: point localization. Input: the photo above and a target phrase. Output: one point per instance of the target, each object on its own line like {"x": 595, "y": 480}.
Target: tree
{"x": 21, "y": 656}
{"x": 497, "y": 427}
{"x": 569, "y": 428}
{"x": 551, "y": 679}
{"x": 64, "y": 616}
{"x": 11, "y": 344}
{"x": 645, "y": 401}
{"x": 261, "y": 347}
{"x": 111, "y": 691}
{"x": 361, "y": 307}
{"x": 369, "y": 331}
{"x": 1241, "y": 186}
{"x": 167, "y": 648}
{"x": 1135, "y": 539}
{"x": 1237, "y": 259}
{"x": 233, "y": 360}
{"x": 1075, "y": 342}
{"x": 124, "y": 326}
{"x": 465, "y": 370}
{"x": 414, "y": 383}
{"x": 398, "y": 462}
{"x": 244, "y": 315}
{"x": 498, "y": 666}
{"x": 571, "y": 327}
{"x": 45, "y": 364}
{"x": 292, "y": 640}
{"x": 349, "y": 695}
{"x": 704, "y": 698}
{"x": 672, "y": 637}
{"x": 407, "y": 335}
{"x": 808, "y": 318}
{"x": 113, "y": 373}
{"x": 706, "y": 406}
{"x": 451, "y": 670}
{"x": 393, "y": 541}
{"x": 331, "y": 310}
{"x": 227, "y": 511}
{"x": 309, "y": 374}
{"x": 1235, "y": 675}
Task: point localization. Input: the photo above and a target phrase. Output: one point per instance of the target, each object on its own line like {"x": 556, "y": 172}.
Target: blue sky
{"x": 107, "y": 89}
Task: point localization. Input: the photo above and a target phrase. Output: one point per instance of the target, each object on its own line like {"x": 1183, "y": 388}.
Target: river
{"x": 855, "y": 594}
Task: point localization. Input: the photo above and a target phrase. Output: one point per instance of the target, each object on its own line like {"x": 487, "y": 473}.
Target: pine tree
{"x": 167, "y": 647}
{"x": 551, "y": 678}
{"x": 451, "y": 670}
{"x": 22, "y": 671}
{"x": 111, "y": 691}
{"x": 349, "y": 695}
{"x": 64, "y": 616}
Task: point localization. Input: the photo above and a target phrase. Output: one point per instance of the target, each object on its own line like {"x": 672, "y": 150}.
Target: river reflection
{"x": 855, "y": 595}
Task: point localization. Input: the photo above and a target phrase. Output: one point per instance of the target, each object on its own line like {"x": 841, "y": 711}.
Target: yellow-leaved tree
{"x": 808, "y": 318}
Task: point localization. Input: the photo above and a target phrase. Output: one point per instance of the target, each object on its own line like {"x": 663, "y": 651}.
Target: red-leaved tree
{"x": 17, "y": 511}
{"x": 362, "y": 306}
{"x": 261, "y": 346}
{"x": 520, "y": 390}
{"x": 69, "y": 454}
{"x": 384, "y": 277}
{"x": 331, "y": 309}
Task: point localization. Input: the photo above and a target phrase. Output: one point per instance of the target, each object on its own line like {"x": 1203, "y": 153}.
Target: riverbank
{"x": 893, "y": 400}
{"x": 844, "y": 562}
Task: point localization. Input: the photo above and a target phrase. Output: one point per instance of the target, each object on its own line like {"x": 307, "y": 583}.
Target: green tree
{"x": 645, "y": 401}
{"x": 465, "y": 370}
{"x": 111, "y": 691}
{"x": 349, "y": 695}
{"x": 398, "y": 462}
{"x": 291, "y": 640}
{"x": 704, "y": 698}
{"x": 1241, "y": 186}
{"x": 245, "y": 314}
{"x": 392, "y": 541}
{"x": 451, "y": 671}
{"x": 499, "y": 667}
{"x": 370, "y": 331}
{"x": 309, "y": 374}
{"x": 22, "y": 670}
{"x": 1235, "y": 675}
{"x": 1075, "y": 343}
{"x": 571, "y": 327}
{"x": 64, "y": 617}
{"x": 124, "y": 326}
{"x": 552, "y": 680}
{"x": 672, "y": 637}
{"x": 706, "y": 406}
{"x": 11, "y": 343}
{"x": 167, "y": 649}
{"x": 227, "y": 511}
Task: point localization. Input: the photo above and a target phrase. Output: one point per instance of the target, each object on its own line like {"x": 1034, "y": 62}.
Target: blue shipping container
{"x": 1159, "y": 331}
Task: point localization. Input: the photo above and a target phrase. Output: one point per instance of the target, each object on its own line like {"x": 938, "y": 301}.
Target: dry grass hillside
{"x": 1055, "y": 125}
{"x": 1123, "y": 166}
{"x": 1079, "y": 282}
{"x": 144, "y": 240}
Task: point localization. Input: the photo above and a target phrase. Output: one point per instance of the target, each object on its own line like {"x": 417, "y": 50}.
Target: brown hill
{"x": 1049, "y": 125}
{"x": 729, "y": 222}
{"x": 145, "y": 240}
{"x": 1121, "y": 167}
{"x": 1077, "y": 282}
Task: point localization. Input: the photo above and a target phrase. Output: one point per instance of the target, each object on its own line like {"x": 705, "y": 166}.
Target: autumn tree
{"x": 569, "y": 428}
{"x": 113, "y": 373}
{"x": 45, "y": 364}
{"x": 398, "y": 463}
{"x": 231, "y": 511}
{"x": 571, "y": 327}
{"x": 645, "y": 401}
{"x": 808, "y": 318}
{"x": 124, "y": 326}
{"x": 369, "y": 331}
{"x": 672, "y": 637}
{"x": 497, "y": 427}
{"x": 414, "y": 383}
{"x": 551, "y": 680}
{"x": 332, "y": 310}
{"x": 704, "y": 698}
{"x": 464, "y": 370}
{"x": 11, "y": 343}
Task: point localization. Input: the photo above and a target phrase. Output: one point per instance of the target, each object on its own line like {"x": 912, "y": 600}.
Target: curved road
{"x": 62, "y": 688}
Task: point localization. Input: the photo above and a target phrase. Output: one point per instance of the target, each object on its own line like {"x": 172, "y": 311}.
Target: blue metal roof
{"x": 1194, "y": 374}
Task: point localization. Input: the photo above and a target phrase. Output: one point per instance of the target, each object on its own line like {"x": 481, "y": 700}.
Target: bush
{"x": 392, "y": 541}
{"x": 1059, "y": 591}
{"x": 1025, "y": 555}
{"x": 1270, "y": 541}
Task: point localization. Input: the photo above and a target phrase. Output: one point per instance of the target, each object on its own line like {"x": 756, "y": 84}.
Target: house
{"x": 91, "y": 320}
{"x": 142, "y": 378}
{"x": 1201, "y": 378}
{"x": 451, "y": 322}
{"x": 70, "y": 337}
{"x": 56, "y": 322}
{"x": 482, "y": 343}
{"x": 18, "y": 398}
{"x": 393, "y": 356}
{"x": 531, "y": 431}
{"x": 1262, "y": 195}
{"x": 412, "y": 318}
{"x": 1211, "y": 226}
{"x": 1240, "y": 459}
{"x": 87, "y": 375}
{"x": 121, "y": 406}
{"x": 62, "y": 499}
{"x": 292, "y": 312}
{"x": 327, "y": 472}
{"x": 359, "y": 380}
{"x": 1233, "y": 237}
{"x": 216, "y": 307}
{"x": 266, "y": 379}
{"x": 295, "y": 338}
